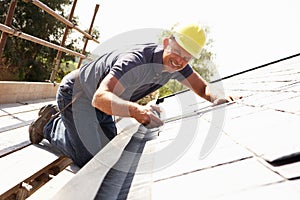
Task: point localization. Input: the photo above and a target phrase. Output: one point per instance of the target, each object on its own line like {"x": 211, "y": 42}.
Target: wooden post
{"x": 8, "y": 21}
{"x": 59, "y": 53}
{"x": 90, "y": 31}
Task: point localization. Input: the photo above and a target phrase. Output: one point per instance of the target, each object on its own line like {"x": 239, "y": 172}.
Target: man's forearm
{"x": 209, "y": 95}
{"x": 111, "y": 104}
{"x": 196, "y": 83}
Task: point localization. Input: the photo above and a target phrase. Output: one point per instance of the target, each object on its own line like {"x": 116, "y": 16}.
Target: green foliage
{"x": 171, "y": 87}
{"x": 148, "y": 98}
{"x": 34, "y": 62}
{"x": 65, "y": 68}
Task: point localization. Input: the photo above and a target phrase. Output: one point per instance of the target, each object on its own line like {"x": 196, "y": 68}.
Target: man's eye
{"x": 178, "y": 52}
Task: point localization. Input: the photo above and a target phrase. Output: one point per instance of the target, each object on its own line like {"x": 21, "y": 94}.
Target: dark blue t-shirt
{"x": 138, "y": 68}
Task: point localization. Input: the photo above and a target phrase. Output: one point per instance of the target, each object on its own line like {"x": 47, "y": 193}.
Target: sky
{"x": 245, "y": 33}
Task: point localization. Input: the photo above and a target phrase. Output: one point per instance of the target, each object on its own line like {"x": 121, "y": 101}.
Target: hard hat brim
{"x": 188, "y": 44}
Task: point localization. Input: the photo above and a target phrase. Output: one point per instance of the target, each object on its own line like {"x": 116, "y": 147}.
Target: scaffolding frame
{"x": 6, "y": 29}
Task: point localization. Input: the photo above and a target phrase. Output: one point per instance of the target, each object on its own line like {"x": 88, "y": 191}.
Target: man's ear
{"x": 166, "y": 42}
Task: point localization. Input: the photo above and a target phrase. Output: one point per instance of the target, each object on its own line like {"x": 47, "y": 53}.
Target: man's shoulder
{"x": 143, "y": 49}
{"x": 142, "y": 53}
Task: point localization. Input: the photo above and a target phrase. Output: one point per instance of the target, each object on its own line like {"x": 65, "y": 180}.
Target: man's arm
{"x": 197, "y": 84}
{"x": 106, "y": 99}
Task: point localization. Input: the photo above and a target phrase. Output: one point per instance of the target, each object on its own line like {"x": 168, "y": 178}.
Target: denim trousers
{"x": 80, "y": 131}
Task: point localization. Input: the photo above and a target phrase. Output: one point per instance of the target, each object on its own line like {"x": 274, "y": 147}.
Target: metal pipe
{"x": 28, "y": 37}
{"x": 8, "y": 20}
{"x": 60, "y": 18}
{"x": 59, "y": 53}
{"x": 90, "y": 31}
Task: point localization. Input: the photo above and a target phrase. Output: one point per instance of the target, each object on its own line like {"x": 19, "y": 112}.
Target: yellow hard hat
{"x": 191, "y": 38}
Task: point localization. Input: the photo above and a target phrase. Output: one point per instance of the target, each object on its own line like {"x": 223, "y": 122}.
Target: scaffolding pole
{"x": 90, "y": 31}
{"x": 8, "y": 20}
{"x": 28, "y": 37}
{"x": 59, "y": 53}
{"x": 60, "y": 18}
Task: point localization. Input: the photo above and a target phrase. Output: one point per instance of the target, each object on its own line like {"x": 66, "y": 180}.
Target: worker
{"x": 88, "y": 97}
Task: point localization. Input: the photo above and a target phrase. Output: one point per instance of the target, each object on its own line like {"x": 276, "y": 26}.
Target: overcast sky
{"x": 245, "y": 33}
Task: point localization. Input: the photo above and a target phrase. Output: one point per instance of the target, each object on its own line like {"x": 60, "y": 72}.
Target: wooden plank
{"x": 13, "y": 148}
{"x": 22, "y": 164}
{"x": 13, "y": 138}
{"x": 11, "y": 122}
{"x": 28, "y": 186}
{"x": 53, "y": 186}
{"x": 25, "y": 106}
{"x": 90, "y": 177}
{"x": 19, "y": 115}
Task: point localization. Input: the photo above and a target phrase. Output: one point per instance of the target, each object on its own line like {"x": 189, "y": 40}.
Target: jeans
{"x": 80, "y": 131}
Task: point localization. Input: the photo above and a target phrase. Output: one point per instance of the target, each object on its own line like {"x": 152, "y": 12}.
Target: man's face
{"x": 175, "y": 57}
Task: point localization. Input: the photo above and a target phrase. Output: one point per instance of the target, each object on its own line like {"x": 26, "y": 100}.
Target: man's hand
{"x": 146, "y": 115}
{"x": 226, "y": 100}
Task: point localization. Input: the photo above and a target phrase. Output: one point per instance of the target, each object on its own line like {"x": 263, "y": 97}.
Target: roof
{"x": 254, "y": 152}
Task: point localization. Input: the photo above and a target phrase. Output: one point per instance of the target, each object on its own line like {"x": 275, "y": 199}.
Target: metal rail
{"x": 8, "y": 21}
{"x": 28, "y": 37}
{"x": 60, "y": 18}
{"x": 6, "y": 29}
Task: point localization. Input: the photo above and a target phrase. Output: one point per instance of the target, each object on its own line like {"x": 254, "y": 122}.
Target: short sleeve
{"x": 183, "y": 74}
{"x": 126, "y": 70}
